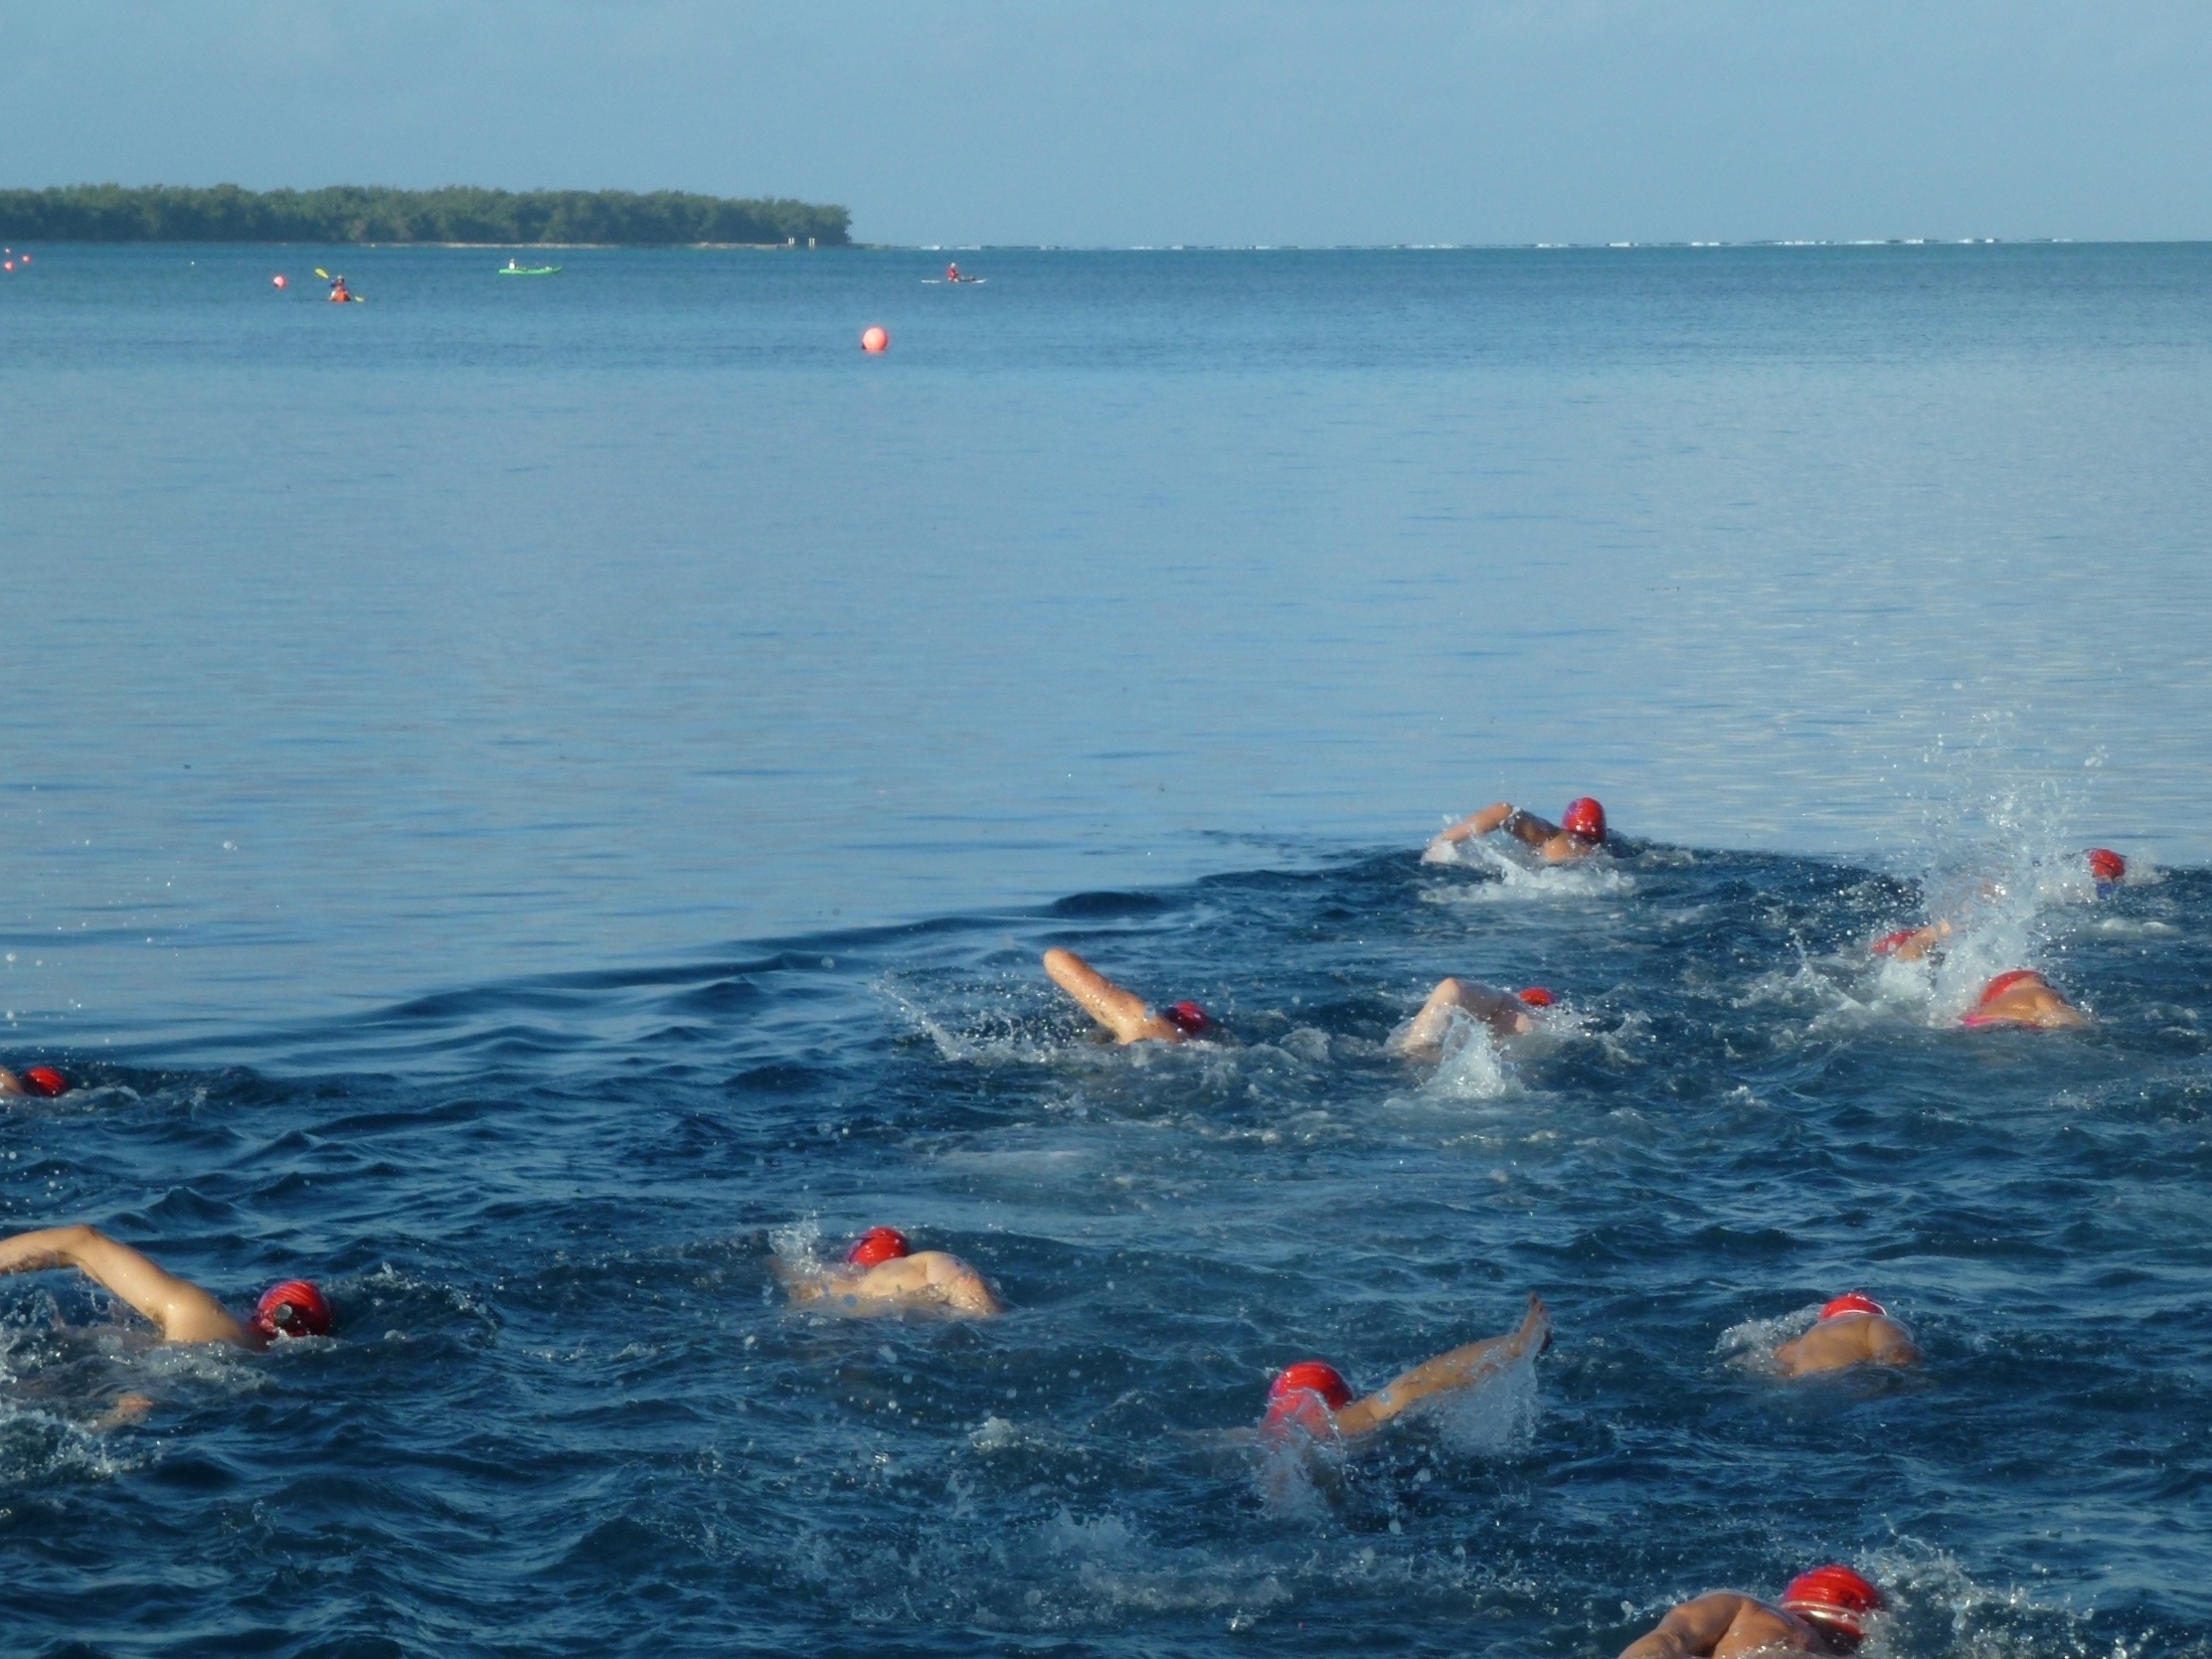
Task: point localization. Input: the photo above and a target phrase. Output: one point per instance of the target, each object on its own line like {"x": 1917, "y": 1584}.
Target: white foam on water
{"x": 1299, "y": 1471}
{"x": 1468, "y": 1065}
{"x": 1937, "y": 1605}
{"x": 1497, "y": 1415}
{"x": 1518, "y": 883}
{"x": 1751, "y": 1345}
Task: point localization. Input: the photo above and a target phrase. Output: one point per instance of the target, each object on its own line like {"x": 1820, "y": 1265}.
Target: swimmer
{"x": 1821, "y": 1612}
{"x": 1314, "y": 1397}
{"x": 1581, "y": 831}
{"x": 882, "y": 1273}
{"x": 1506, "y": 1013}
{"x": 179, "y": 1309}
{"x": 2024, "y": 1000}
{"x": 2108, "y": 869}
{"x": 1124, "y": 1013}
{"x": 40, "y": 1080}
{"x": 1853, "y": 1329}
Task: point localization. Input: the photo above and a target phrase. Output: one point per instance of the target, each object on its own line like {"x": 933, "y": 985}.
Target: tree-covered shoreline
{"x": 374, "y": 214}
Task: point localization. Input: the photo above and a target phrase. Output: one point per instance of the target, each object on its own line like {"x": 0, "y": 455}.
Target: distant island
{"x": 454, "y": 214}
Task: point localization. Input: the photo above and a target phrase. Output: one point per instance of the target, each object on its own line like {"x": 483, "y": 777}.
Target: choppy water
{"x": 524, "y": 658}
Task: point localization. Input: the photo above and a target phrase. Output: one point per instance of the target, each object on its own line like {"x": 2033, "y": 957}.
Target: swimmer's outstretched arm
{"x": 1122, "y": 1012}
{"x": 1694, "y": 1628}
{"x": 1459, "y": 1369}
{"x": 181, "y": 1309}
{"x": 1522, "y": 826}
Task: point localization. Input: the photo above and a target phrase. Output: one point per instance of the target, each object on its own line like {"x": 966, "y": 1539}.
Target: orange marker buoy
{"x": 280, "y": 281}
{"x": 875, "y": 339}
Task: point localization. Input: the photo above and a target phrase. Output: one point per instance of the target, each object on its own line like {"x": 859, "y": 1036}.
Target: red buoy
{"x": 875, "y": 339}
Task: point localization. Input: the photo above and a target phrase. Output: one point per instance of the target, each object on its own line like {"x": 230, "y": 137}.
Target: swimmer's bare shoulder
{"x": 927, "y": 1281}
{"x": 1853, "y": 1340}
{"x": 1725, "y": 1625}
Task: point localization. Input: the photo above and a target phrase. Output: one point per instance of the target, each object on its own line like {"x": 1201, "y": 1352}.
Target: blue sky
{"x": 1148, "y": 121}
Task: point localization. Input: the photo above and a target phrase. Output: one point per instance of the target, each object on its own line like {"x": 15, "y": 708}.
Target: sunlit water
{"x": 524, "y": 800}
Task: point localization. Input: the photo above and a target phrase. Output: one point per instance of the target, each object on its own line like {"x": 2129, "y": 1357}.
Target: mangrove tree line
{"x": 358, "y": 213}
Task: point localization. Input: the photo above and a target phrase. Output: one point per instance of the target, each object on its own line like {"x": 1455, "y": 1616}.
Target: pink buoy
{"x": 281, "y": 280}
{"x": 875, "y": 339}
{"x": 9, "y": 264}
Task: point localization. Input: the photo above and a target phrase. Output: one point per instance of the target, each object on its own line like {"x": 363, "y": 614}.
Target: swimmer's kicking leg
{"x": 1122, "y": 1012}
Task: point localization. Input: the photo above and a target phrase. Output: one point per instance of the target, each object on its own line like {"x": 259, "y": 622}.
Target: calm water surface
{"x": 525, "y": 800}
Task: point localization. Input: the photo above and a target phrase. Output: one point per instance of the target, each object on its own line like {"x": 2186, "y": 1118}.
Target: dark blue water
{"x": 400, "y": 727}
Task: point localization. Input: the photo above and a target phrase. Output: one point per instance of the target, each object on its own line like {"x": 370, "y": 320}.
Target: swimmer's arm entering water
{"x": 1122, "y": 1012}
{"x": 1522, "y": 826}
{"x": 179, "y": 1308}
{"x": 1462, "y": 1368}
{"x": 1504, "y": 1014}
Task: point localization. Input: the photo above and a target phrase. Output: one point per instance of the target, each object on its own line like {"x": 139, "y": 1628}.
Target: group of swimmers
{"x": 1308, "y": 1403}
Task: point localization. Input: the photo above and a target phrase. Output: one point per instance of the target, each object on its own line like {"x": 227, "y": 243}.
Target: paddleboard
{"x": 529, "y": 271}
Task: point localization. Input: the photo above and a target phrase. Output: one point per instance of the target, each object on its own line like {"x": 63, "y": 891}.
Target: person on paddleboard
{"x": 1580, "y": 832}
{"x": 179, "y": 1309}
{"x": 42, "y": 1082}
{"x": 1852, "y": 1330}
{"x": 1823, "y": 1611}
{"x": 1125, "y": 1013}
{"x": 882, "y": 1273}
{"x": 1311, "y": 1401}
{"x": 1507, "y": 1014}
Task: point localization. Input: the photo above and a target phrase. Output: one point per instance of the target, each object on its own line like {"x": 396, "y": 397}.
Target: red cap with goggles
{"x": 2107, "y": 865}
{"x": 1585, "y": 819}
{"x": 1834, "y": 1596}
{"x": 293, "y": 1308}
{"x": 1855, "y": 1302}
{"x": 878, "y": 1246}
{"x": 1188, "y": 1018}
{"x": 1307, "y": 1393}
{"x": 44, "y": 1080}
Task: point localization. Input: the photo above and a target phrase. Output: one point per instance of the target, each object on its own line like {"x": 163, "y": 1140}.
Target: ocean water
{"x": 526, "y": 802}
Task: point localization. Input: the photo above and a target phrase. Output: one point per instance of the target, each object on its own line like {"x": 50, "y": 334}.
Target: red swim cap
{"x": 1835, "y": 1595}
{"x": 1887, "y": 945}
{"x": 1188, "y": 1018}
{"x": 878, "y": 1246}
{"x": 1537, "y": 997}
{"x": 44, "y": 1080}
{"x": 1307, "y": 1393}
{"x": 293, "y": 1308}
{"x": 1856, "y": 1302}
{"x": 2004, "y": 983}
{"x": 2107, "y": 865}
{"x": 1585, "y": 819}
